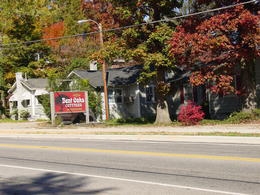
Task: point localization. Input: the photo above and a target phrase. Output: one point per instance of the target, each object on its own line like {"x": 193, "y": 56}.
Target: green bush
{"x": 136, "y": 120}
{"x": 14, "y": 113}
{"x": 130, "y": 121}
{"x": 256, "y": 112}
{"x": 58, "y": 121}
{"x": 240, "y": 117}
{"x": 24, "y": 114}
{"x": 45, "y": 102}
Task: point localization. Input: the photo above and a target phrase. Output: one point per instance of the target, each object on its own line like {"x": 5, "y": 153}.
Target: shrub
{"x": 133, "y": 121}
{"x": 24, "y": 114}
{"x": 241, "y": 117}
{"x": 256, "y": 112}
{"x": 14, "y": 114}
{"x": 190, "y": 114}
{"x": 45, "y": 102}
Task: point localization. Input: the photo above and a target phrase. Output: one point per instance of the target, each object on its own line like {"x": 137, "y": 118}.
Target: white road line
{"x": 121, "y": 179}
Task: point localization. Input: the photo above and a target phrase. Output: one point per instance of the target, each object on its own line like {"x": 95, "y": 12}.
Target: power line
{"x": 49, "y": 39}
{"x": 182, "y": 16}
{"x": 131, "y": 26}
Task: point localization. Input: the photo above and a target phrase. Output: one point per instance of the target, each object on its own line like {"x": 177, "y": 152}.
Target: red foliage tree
{"x": 54, "y": 31}
{"x": 100, "y": 11}
{"x": 213, "y": 48}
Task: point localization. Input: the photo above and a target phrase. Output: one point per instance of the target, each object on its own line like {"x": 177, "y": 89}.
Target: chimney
{"x": 19, "y": 76}
{"x": 93, "y": 66}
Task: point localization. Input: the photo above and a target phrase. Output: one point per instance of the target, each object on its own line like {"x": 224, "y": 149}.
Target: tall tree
{"x": 100, "y": 11}
{"x": 22, "y": 22}
{"x": 214, "y": 48}
{"x": 73, "y": 49}
{"x": 145, "y": 43}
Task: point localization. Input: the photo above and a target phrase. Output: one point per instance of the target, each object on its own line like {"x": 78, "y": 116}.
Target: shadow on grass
{"x": 48, "y": 183}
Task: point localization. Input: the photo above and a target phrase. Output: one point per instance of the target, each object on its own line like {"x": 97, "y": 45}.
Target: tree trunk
{"x": 162, "y": 113}
{"x": 248, "y": 84}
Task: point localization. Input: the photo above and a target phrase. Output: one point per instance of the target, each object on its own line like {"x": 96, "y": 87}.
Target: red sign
{"x": 69, "y": 102}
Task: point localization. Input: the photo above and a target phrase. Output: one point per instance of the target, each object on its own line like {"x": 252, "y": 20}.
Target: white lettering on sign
{"x": 73, "y": 105}
{"x": 66, "y": 101}
{"x": 78, "y": 100}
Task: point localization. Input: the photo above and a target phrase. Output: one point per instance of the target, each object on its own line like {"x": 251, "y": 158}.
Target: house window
{"x": 149, "y": 91}
{"x": 115, "y": 96}
{"x": 118, "y": 95}
{"x": 15, "y": 104}
{"x": 186, "y": 93}
{"x": 26, "y": 103}
{"x": 111, "y": 98}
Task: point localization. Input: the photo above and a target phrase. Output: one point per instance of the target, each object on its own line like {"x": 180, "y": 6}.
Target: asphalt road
{"x": 79, "y": 166}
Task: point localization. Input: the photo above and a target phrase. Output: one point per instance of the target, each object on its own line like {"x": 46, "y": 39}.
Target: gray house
{"x": 24, "y": 97}
{"x": 126, "y": 97}
{"x": 215, "y": 106}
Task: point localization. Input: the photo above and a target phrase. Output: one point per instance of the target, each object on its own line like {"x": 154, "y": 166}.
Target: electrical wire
{"x": 130, "y": 26}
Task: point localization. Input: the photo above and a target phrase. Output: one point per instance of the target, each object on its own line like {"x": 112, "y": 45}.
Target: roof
{"x": 36, "y": 83}
{"x": 116, "y": 77}
{"x": 124, "y": 76}
{"x": 94, "y": 77}
{"x": 32, "y": 84}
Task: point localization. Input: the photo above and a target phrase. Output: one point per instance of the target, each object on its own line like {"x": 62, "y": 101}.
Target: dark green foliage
{"x": 70, "y": 12}
{"x": 130, "y": 121}
{"x": 14, "y": 113}
{"x": 45, "y": 102}
{"x": 94, "y": 98}
{"x": 157, "y": 54}
{"x": 239, "y": 117}
{"x": 78, "y": 63}
{"x": 256, "y": 112}
{"x": 23, "y": 28}
{"x": 25, "y": 58}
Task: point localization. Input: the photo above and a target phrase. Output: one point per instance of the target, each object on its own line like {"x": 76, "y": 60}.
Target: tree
{"x": 100, "y": 11}
{"x": 23, "y": 21}
{"x": 214, "y": 48}
{"x": 53, "y": 31}
{"x": 145, "y": 44}
{"x": 156, "y": 64}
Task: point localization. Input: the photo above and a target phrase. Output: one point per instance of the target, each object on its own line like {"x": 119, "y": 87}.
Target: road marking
{"x": 121, "y": 179}
{"x": 129, "y": 152}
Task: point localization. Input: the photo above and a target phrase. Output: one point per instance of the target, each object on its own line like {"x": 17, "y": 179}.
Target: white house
{"x": 24, "y": 97}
